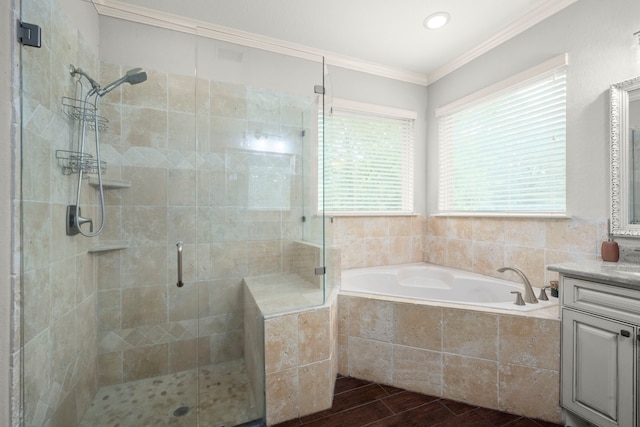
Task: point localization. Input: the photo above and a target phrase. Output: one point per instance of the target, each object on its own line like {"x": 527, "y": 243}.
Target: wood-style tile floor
{"x": 362, "y": 403}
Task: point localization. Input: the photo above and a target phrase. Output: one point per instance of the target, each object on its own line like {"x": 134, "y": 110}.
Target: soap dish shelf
{"x": 111, "y": 245}
{"x": 109, "y": 183}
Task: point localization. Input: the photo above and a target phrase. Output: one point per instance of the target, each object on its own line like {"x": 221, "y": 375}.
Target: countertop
{"x": 617, "y": 273}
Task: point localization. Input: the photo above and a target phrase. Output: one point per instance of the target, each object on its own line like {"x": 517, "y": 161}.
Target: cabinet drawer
{"x": 607, "y": 300}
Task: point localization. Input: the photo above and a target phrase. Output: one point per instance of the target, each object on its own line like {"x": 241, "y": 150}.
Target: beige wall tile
{"x": 109, "y": 310}
{"x": 281, "y": 343}
{"x": 400, "y": 226}
{"x": 437, "y": 226}
{"x": 376, "y": 227}
{"x": 281, "y": 394}
{"x": 487, "y": 257}
{"x": 147, "y": 186}
{"x": 145, "y": 127}
{"x": 470, "y": 333}
{"x": 353, "y": 253}
{"x": 350, "y": 228}
{"x": 144, "y": 306}
{"x": 108, "y": 270}
{"x": 573, "y": 235}
{"x": 343, "y": 355}
{"x": 145, "y": 225}
{"x": 181, "y": 132}
{"x": 417, "y": 370}
{"x": 377, "y": 251}
{"x": 529, "y": 342}
{"x": 470, "y": 380}
{"x": 488, "y": 230}
{"x": 435, "y": 250}
{"x": 530, "y": 261}
{"x": 153, "y": 93}
{"x": 371, "y": 360}
{"x": 460, "y": 228}
{"x": 530, "y": 233}
{"x": 529, "y": 391}
{"x": 188, "y": 354}
{"x": 460, "y": 254}
{"x": 314, "y": 387}
{"x": 109, "y": 368}
{"x": 36, "y": 303}
{"x": 314, "y": 336}
{"x": 182, "y": 93}
{"x": 145, "y": 362}
{"x": 400, "y": 250}
{"x": 370, "y": 318}
{"x": 181, "y": 184}
{"x": 417, "y": 325}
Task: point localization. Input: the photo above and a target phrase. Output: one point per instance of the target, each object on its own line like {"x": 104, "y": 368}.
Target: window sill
{"x": 503, "y": 215}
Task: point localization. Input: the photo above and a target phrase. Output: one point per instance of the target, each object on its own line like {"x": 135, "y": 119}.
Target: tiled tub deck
{"x": 501, "y": 360}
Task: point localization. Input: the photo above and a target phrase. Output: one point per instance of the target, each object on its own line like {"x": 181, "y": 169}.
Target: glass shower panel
{"x": 108, "y": 336}
{"x": 260, "y": 138}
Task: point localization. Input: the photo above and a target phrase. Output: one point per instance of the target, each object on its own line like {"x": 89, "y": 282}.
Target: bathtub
{"x": 431, "y": 282}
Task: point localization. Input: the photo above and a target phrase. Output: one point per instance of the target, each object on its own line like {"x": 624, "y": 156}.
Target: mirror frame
{"x": 619, "y": 158}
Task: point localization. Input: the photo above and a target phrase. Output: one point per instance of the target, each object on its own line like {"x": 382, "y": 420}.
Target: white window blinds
{"x": 505, "y": 153}
{"x": 367, "y": 160}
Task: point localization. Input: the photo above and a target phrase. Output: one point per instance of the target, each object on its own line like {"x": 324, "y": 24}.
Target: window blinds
{"x": 506, "y": 153}
{"x": 367, "y": 163}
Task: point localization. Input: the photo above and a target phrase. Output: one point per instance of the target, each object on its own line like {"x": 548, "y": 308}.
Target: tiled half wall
{"x": 498, "y": 361}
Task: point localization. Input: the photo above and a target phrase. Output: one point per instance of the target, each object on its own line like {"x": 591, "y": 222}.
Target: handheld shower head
{"x": 134, "y": 76}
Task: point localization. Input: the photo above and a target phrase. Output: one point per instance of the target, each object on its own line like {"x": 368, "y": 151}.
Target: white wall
{"x": 597, "y": 35}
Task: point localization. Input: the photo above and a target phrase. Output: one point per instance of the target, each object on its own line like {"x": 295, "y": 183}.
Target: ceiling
{"x": 386, "y": 33}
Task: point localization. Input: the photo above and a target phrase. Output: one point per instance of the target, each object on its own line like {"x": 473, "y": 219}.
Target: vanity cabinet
{"x": 599, "y": 353}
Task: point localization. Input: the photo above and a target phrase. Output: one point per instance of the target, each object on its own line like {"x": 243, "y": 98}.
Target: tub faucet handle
{"x": 519, "y": 300}
{"x": 543, "y": 295}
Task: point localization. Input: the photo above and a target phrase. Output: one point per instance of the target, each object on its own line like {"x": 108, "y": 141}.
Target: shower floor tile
{"x": 171, "y": 400}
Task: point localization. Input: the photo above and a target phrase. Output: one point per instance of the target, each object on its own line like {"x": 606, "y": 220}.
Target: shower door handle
{"x": 180, "y": 282}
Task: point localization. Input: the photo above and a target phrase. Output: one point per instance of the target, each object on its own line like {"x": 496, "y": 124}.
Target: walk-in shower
{"x": 217, "y": 151}
{"x": 88, "y": 118}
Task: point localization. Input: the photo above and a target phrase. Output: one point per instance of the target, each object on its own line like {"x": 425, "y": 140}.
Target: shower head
{"x": 73, "y": 70}
{"x": 134, "y": 76}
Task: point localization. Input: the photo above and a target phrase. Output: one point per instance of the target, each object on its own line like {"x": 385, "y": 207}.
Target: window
{"x": 367, "y": 159}
{"x": 502, "y": 150}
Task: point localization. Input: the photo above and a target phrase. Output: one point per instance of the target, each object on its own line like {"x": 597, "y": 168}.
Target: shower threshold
{"x": 221, "y": 397}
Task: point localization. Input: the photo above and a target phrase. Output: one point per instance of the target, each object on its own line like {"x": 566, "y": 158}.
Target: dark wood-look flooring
{"x": 362, "y": 403}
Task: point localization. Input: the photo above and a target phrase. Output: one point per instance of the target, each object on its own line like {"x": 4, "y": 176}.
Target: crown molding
{"x": 130, "y": 12}
{"x": 545, "y": 10}
{"x": 142, "y": 15}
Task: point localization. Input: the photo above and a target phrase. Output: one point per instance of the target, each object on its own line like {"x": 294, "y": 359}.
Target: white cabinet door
{"x": 598, "y": 369}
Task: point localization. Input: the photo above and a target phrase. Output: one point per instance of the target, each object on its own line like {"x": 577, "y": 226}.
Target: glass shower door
{"x": 108, "y": 337}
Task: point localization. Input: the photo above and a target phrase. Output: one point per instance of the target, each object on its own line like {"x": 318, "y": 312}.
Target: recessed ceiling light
{"x": 436, "y": 20}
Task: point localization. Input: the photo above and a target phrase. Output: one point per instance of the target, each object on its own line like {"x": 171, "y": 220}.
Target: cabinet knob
{"x": 624, "y": 333}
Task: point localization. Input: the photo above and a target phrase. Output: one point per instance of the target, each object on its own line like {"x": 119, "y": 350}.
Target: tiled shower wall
{"x": 190, "y": 148}
{"x": 58, "y": 285}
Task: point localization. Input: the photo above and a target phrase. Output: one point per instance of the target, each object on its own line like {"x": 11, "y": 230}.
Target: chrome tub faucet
{"x": 529, "y": 296}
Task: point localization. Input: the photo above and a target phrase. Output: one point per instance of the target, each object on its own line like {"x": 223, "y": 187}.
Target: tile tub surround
{"x": 477, "y": 244}
{"x": 501, "y": 361}
{"x": 483, "y": 245}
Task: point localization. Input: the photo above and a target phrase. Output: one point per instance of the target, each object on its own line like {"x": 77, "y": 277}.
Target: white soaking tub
{"x": 431, "y": 282}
